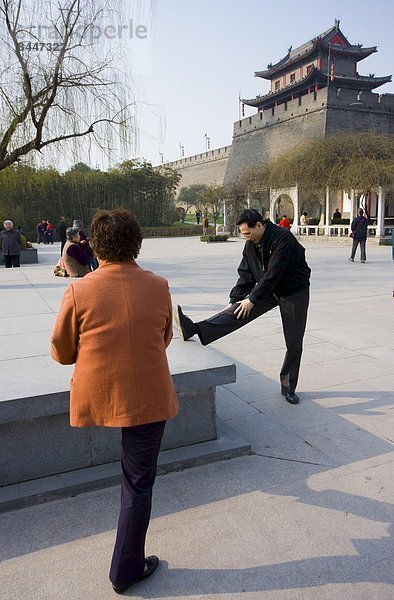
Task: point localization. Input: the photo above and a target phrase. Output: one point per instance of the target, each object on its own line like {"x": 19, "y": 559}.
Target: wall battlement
{"x": 343, "y": 98}
{"x": 203, "y": 157}
{"x": 265, "y": 135}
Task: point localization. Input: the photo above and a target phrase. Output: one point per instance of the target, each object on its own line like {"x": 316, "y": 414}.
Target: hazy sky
{"x": 202, "y": 53}
{"x": 187, "y": 61}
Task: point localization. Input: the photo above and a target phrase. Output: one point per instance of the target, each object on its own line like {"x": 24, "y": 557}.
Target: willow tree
{"x": 348, "y": 161}
{"x": 59, "y": 79}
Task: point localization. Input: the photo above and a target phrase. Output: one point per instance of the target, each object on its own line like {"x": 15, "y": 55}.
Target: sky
{"x": 202, "y": 54}
{"x": 187, "y": 62}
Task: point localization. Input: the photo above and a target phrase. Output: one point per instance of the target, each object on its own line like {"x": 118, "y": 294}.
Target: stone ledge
{"x": 28, "y": 256}
{"x": 227, "y": 445}
{"x": 36, "y": 440}
{"x": 192, "y": 366}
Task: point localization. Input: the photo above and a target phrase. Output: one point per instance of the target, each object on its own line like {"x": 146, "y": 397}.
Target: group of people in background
{"x": 76, "y": 255}
{"x": 304, "y": 221}
{"x": 45, "y": 232}
{"x": 77, "y": 258}
{"x": 358, "y": 230}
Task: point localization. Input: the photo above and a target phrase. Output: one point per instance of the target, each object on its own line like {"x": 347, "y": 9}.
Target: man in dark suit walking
{"x": 273, "y": 272}
{"x": 359, "y": 234}
{"x": 61, "y": 232}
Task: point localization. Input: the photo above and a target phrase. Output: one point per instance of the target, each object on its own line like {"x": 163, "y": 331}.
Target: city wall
{"x": 264, "y": 136}
{"x": 207, "y": 168}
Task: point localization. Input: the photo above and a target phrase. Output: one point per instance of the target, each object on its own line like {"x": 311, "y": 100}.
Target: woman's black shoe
{"x": 151, "y": 564}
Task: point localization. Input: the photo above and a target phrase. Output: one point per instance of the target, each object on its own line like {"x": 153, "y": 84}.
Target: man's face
{"x": 8, "y": 226}
{"x": 254, "y": 234}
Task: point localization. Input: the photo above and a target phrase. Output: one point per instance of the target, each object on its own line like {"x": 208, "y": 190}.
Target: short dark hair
{"x": 115, "y": 235}
{"x": 251, "y": 217}
{"x": 360, "y": 211}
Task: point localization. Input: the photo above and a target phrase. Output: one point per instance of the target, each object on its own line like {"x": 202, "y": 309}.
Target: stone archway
{"x": 284, "y": 202}
{"x": 283, "y": 206}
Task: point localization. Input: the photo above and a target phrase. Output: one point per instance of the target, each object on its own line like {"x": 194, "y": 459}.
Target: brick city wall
{"x": 206, "y": 168}
{"x": 264, "y": 136}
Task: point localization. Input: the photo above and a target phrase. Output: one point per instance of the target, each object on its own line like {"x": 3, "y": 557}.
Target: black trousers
{"x": 362, "y": 249}
{"x": 293, "y": 311}
{"x": 12, "y": 260}
{"x": 140, "y": 450}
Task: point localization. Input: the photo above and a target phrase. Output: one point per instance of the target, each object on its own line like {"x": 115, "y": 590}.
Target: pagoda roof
{"x": 314, "y": 76}
{"x": 332, "y": 39}
{"x": 351, "y": 50}
{"x": 362, "y": 82}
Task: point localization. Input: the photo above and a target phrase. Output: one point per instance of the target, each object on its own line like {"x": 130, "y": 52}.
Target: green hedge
{"x": 214, "y": 238}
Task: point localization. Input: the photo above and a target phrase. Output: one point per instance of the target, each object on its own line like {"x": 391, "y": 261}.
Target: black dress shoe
{"x": 292, "y": 398}
{"x": 151, "y": 564}
{"x": 186, "y": 327}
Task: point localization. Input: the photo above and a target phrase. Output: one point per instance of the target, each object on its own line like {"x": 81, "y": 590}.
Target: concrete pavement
{"x": 307, "y": 516}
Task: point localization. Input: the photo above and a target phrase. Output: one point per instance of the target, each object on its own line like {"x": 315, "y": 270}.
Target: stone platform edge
{"x": 56, "y": 403}
{"x": 14, "y": 497}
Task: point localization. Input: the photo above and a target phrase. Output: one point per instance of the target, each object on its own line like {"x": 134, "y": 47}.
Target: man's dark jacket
{"x": 360, "y": 228}
{"x": 61, "y": 231}
{"x": 284, "y": 271}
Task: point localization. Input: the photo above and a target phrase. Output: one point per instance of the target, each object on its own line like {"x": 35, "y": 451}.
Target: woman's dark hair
{"x": 115, "y": 235}
{"x": 251, "y": 217}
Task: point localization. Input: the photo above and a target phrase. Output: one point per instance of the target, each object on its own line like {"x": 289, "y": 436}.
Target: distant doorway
{"x": 283, "y": 206}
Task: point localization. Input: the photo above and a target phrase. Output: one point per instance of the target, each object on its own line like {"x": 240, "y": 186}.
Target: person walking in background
{"x": 304, "y": 222}
{"x": 49, "y": 233}
{"x": 61, "y": 232}
{"x": 273, "y": 272}
{"x": 40, "y": 228}
{"x": 337, "y": 214}
{"x": 115, "y": 325}
{"x": 205, "y": 226}
{"x": 285, "y": 222}
{"x": 75, "y": 260}
{"x": 198, "y": 217}
{"x": 10, "y": 245}
{"x": 359, "y": 231}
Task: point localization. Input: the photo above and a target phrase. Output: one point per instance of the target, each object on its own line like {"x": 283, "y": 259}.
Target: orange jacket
{"x": 115, "y": 325}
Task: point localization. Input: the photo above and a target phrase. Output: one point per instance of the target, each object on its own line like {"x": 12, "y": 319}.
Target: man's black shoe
{"x": 186, "y": 327}
{"x": 151, "y": 564}
{"x": 291, "y": 397}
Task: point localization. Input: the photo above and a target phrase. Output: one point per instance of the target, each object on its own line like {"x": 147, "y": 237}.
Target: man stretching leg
{"x": 273, "y": 272}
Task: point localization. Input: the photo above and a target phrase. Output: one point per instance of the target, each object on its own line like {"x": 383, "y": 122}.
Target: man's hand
{"x": 243, "y": 309}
